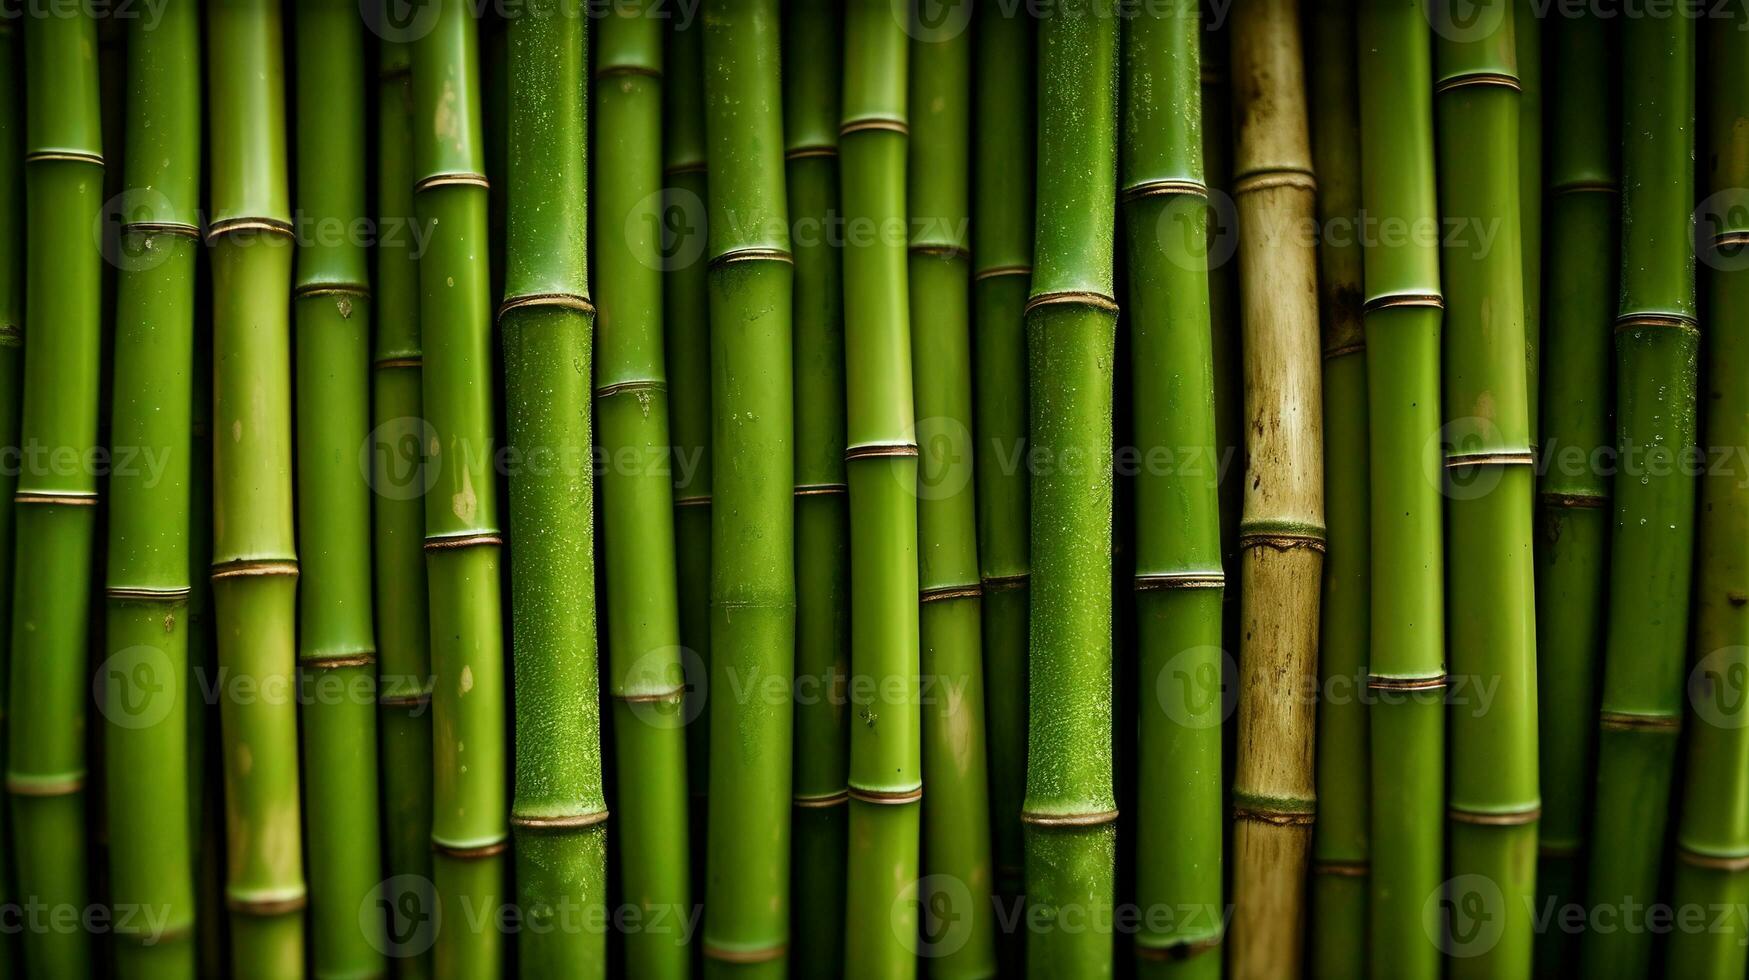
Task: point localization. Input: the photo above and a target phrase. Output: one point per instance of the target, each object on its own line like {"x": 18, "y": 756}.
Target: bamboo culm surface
{"x": 12, "y": 276}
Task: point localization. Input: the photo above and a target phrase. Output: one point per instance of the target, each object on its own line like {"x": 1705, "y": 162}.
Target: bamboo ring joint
{"x": 267, "y": 907}
{"x": 946, "y": 592}
{"x": 875, "y": 124}
{"x": 691, "y": 167}
{"x": 1262, "y": 813}
{"x": 1577, "y": 501}
{"x": 805, "y": 152}
{"x": 1477, "y": 78}
{"x": 178, "y": 228}
{"x": 457, "y": 541}
{"x": 1162, "y": 581}
{"x": 820, "y": 489}
{"x": 754, "y": 253}
{"x": 941, "y": 251}
{"x": 255, "y": 568}
{"x": 1006, "y": 583}
{"x": 1585, "y": 187}
{"x": 232, "y": 226}
{"x": 1068, "y": 819}
{"x": 458, "y": 179}
{"x": 1166, "y": 187}
{"x": 1393, "y": 301}
{"x": 880, "y": 450}
{"x": 470, "y": 853}
{"x": 822, "y": 802}
{"x": 885, "y": 797}
{"x": 417, "y": 699}
{"x": 1283, "y": 177}
{"x": 1713, "y": 862}
{"x": 56, "y": 498}
{"x": 1343, "y": 350}
{"x": 631, "y": 387}
{"x": 764, "y": 955}
{"x": 609, "y": 71}
{"x": 45, "y": 786}
{"x": 64, "y": 156}
{"x": 1492, "y": 457}
{"x": 1072, "y": 297}
{"x": 401, "y": 362}
{"x": 132, "y": 593}
{"x": 569, "y": 821}
{"x": 1627, "y": 721}
{"x": 1342, "y": 869}
{"x": 700, "y": 500}
{"x": 1476, "y": 818}
{"x": 1669, "y": 321}
{"x": 1377, "y": 682}
{"x": 312, "y": 289}
{"x": 1178, "y": 951}
{"x": 363, "y": 658}
{"x": 1002, "y": 270}
{"x": 564, "y": 301}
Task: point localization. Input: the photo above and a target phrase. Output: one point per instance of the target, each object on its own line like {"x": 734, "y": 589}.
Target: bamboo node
{"x": 1343, "y": 350}
{"x": 1577, "y": 501}
{"x": 401, "y": 362}
{"x": 1161, "y": 581}
{"x": 56, "y": 498}
{"x": 1670, "y": 321}
{"x": 363, "y": 658}
{"x": 1281, "y": 540}
{"x": 820, "y": 489}
{"x": 1001, "y": 270}
{"x": 652, "y": 697}
{"x": 1490, "y": 818}
{"x": 1165, "y": 187}
{"x": 282, "y": 904}
{"x": 753, "y": 253}
{"x": 1068, "y": 819}
{"x": 874, "y": 124}
{"x": 45, "y": 786}
{"x": 254, "y": 568}
{"x": 1731, "y": 239}
{"x": 638, "y": 386}
{"x": 136, "y": 593}
{"x": 882, "y": 797}
{"x": 458, "y": 179}
{"x": 1072, "y": 297}
{"x": 1585, "y": 187}
{"x": 451, "y": 542}
{"x": 1007, "y": 583}
{"x": 880, "y": 450}
{"x": 566, "y": 301}
{"x": 152, "y": 937}
{"x": 1712, "y": 862}
{"x": 177, "y": 228}
{"x": 1178, "y": 950}
{"x": 64, "y": 156}
{"x": 946, "y": 592}
{"x": 470, "y": 852}
{"x": 609, "y": 71}
{"x": 417, "y": 699}
{"x": 762, "y": 955}
{"x": 805, "y": 152}
{"x": 821, "y": 802}
{"x": 313, "y": 289}
{"x": 1393, "y": 301}
{"x": 1291, "y": 813}
{"x": 941, "y": 251}
{"x": 560, "y": 823}
{"x": 697, "y": 500}
{"x": 1342, "y": 869}
{"x": 1294, "y": 178}
{"x": 1477, "y": 78}
{"x": 1629, "y": 721}
{"x": 232, "y": 226}
{"x": 1381, "y": 682}
{"x": 1491, "y": 457}
{"x": 11, "y": 336}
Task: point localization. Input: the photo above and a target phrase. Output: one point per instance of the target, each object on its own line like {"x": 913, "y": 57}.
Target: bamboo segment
{"x": 1657, "y": 346}
{"x": 1493, "y": 804}
{"x": 643, "y": 617}
{"x": 1340, "y": 837}
{"x": 1528, "y": 48}
{"x": 254, "y": 557}
{"x": 958, "y": 919}
{"x": 469, "y": 820}
{"x": 1178, "y": 579}
{"x": 1402, "y": 314}
{"x": 1712, "y": 839}
{"x": 1282, "y": 531}
{"x": 147, "y": 707}
{"x": 1573, "y": 516}
{"x": 1070, "y": 810}
{"x": 1002, "y": 194}
{"x": 814, "y": 38}
{"x": 753, "y": 587}
{"x": 686, "y": 319}
{"x": 398, "y": 510}
{"x": 12, "y": 264}
{"x": 559, "y": 813}
{"x": 336, "y": 636}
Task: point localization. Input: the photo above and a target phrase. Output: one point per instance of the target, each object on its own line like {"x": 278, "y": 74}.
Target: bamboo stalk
{"x": 1002, "y": 194}
{"x": 753, "y": 588}
{"x": 686, "y": 318}
{"x": 1657, "y": 347}
{"x": 254, "y": 555}
{"x": 1493, "y": 804}
{"x": 1712, "y": 838}
{"x": 1341, "y": 847}
{"x": 1282, "y": 531}
{"x": 469, "y": 827}
{"x": 149, "y": 626}
{"x": 12, "y": 307}
{"x": 336, "y": 634}
{"x": 1070, "y": 808}
{"x": 1573, "y": 524}
{"x": 206, "y": 774}
{"x": 560, "y": 811}
{"x": 1528, "y": 45}
{"x": 1178, "y": 580}
{"x": 814, "y": 40}
{"x": 643, "y": 618}
{"x": 398, "y": 511}
{"x": 1405, "y": 675}
{"x": 958, "y": 929}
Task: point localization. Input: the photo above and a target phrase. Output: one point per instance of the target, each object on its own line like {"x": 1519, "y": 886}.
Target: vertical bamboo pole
{"x": 1493, "y": 804}
{"x": 1178, "y": 580}
{"x": 1002, "y": 197}
{"x": 814, "y": 38}
{"x": 753, "y": 589}
{"x": 1712, "y": 839}
{"x": 1573, "y": 517}
{"x": 254, "y": 555}
{"x": 336, "y": 634}
{"x": 1282, "y": 531}
{"x": 397, "y": 506}
{"x": 147, "y": 705}
{"x": 1070, "y": 808}
{"x": 469, "y": 828}
{"x": 1340, "y": 838}
{"x": 1657, "y": 347}
{"x": 12, "y": 265}
{"x": 631, "y": 400}
{"x": 1528, "y": 45}
{"x": 1402, "y": 316}
{"x": 559, "y": 814}
{"x": 954, "y": 897}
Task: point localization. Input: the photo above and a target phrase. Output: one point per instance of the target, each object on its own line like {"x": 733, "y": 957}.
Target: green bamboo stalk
{"x": 146, "y": 683}
{"x": 1401, "y": 319}
{"x": 560, "y": 811}
{"x": 813, "y": 35}
{"x": 398, "y": 512}
{"x": 12, "y": 265}
{"x": 958, "y": 927}
{"x": 753, "y": 588}
{"x": 1070, "y": 808}
{"x": 1712, "y": 838}
{"x": 255, "y": 563}
{"x": 336, "y": 632}
{"x": 45, "y": 763}
{"x": 1493, "y": 803}
{"x": 686, "y": 319}
{"x": 469, "y": 822}
{"x": 1528, "y": 44}
{"x": 1179, "y": 583}
{"x": 206, "y": 775}
{"x": 1002, "y": 194}
{"x": 1281, "y": 534}
{"x": 631, "y": 389}
{"x": 1657, "y": 348}
{"x": 1340, "y": 838}
{"x": 1573, "y": 523}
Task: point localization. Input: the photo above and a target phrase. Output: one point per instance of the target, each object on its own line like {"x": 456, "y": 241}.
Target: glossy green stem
{"x": 12, "y": 275}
